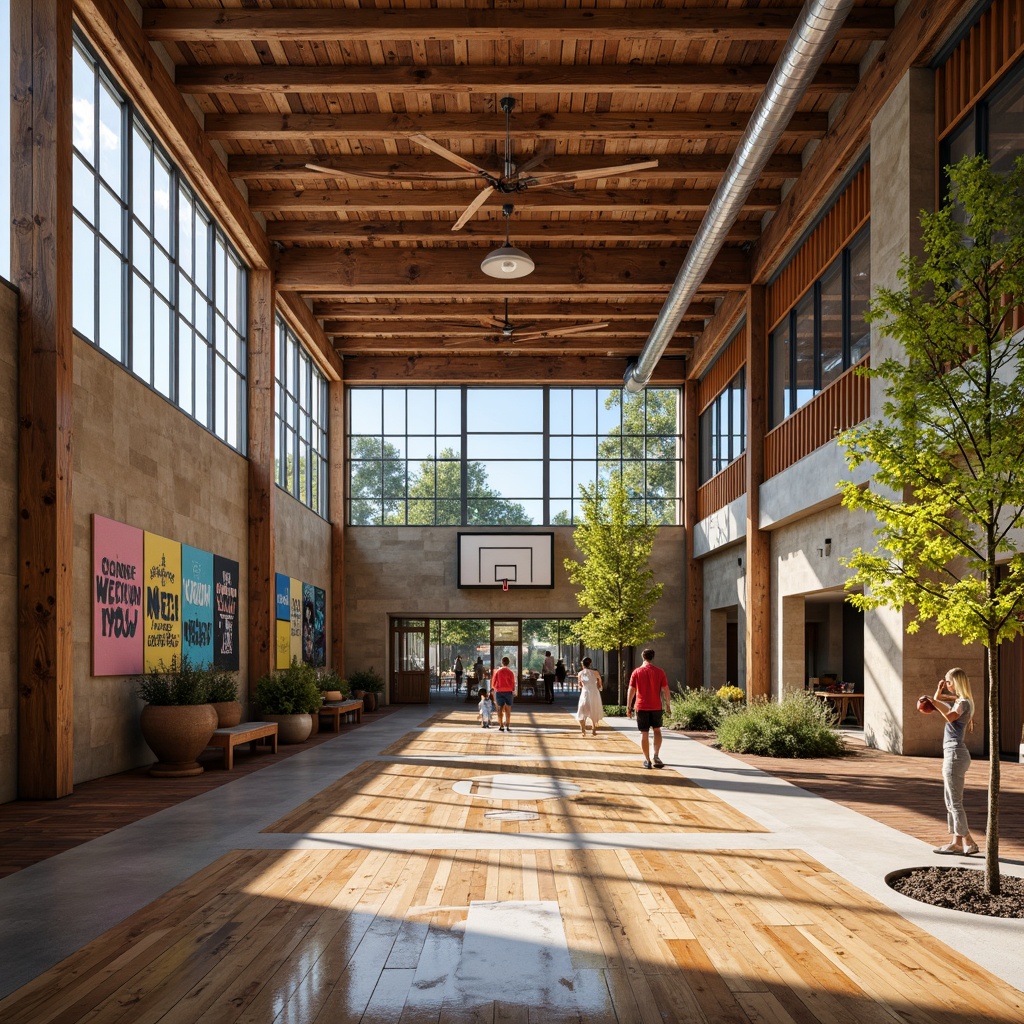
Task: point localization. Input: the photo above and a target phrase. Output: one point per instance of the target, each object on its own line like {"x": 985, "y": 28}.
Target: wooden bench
{"x": 336, "y": 708}
{"x": 247, "y": 732}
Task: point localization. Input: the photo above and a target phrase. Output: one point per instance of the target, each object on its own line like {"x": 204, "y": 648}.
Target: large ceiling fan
{"x": 513, "y": 178}
{"x": 513, "y": 333}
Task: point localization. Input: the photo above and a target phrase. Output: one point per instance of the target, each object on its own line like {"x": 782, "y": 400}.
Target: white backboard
{"x": 516, "y": 559}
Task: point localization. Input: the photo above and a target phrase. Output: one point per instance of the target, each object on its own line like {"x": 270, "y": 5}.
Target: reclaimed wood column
{"x": 759, "y": 609}
{"x": 337, "y": 469}
{"x": 694, "y": 567}
{"x": 41, "y": 262}
{"x": 262, "y": 485}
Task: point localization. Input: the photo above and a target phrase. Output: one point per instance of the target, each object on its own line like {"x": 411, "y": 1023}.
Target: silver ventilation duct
{"x": 808, "y": 43}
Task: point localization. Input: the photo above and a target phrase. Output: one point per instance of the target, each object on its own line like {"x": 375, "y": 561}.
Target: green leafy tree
{"x": 647, "y": 444}
{"x": 377, "y": 482}
{"x": 615, "y": 575}
{"x": 948, "y": 491}
{"x": 435, "y": 496}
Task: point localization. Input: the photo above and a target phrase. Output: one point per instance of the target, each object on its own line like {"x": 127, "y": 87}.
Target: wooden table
{"x": 843, "y": 703}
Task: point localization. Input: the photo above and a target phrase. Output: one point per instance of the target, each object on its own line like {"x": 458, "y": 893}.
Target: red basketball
{"x": 924, "y": 705}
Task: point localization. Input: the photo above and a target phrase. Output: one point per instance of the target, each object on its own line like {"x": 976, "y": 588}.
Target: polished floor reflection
{"x": 388, "y": 895}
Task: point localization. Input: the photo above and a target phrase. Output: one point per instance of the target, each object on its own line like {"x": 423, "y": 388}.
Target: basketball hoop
{"x": 504, "y": 585}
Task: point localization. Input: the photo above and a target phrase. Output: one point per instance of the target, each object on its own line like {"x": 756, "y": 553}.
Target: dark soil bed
{"x": 962, "y": 889}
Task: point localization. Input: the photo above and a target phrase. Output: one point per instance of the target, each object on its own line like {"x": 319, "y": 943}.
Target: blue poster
{"x": 196, "y": 605}
{"x": 284, "y": 612}
{"x": 319, "y": 617}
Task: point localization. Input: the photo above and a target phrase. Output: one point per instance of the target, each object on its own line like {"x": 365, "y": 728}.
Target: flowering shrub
{"x": 733, "y": 694}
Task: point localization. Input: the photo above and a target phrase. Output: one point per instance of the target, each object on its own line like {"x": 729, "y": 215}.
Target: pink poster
{"x": 117, "y": 594}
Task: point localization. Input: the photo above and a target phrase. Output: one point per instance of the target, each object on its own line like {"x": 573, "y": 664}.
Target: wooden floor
{"x": 599, "y": 933}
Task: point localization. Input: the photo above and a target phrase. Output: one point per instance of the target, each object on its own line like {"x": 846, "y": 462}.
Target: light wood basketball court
{"x": 575, "y": 930}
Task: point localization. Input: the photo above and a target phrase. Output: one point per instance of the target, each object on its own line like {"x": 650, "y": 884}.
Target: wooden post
{"x": 759, "y": 624}
{"x": 337, "y": 470}
{"x": 41, "y": 261}
{"x": 262, "y": 485}
{"x": 694, "y": 567}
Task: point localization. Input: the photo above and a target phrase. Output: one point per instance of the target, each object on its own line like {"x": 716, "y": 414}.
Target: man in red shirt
{"x": 649, "y": 696}
{"x": 503, "y": 685}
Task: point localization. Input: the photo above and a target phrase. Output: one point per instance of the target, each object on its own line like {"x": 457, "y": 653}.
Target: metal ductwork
{"x": 808, "y": 43}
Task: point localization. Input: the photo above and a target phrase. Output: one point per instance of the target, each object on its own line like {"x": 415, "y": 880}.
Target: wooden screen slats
{"x": 994, "y": 43}
{"x": 722, "y": 488}
{"x": 847, "y": 216}
{"x": 842, "y": 405}
{"x": 725, "y": 367}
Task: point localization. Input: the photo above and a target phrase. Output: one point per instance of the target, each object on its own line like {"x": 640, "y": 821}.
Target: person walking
{"x": 649, "y": 696}
{"x": 547, "y": 670}
{"x": 560, "y": 673}
{"x": 590, "y": 706}
{"x": 485, "y": 708}
{"x": 457, "y": 669}
{"x": 954, "y": 701}
{"x": 503, "y": 686}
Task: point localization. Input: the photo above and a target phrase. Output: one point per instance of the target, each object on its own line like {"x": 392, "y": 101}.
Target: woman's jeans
{"x": 955, "y": 762}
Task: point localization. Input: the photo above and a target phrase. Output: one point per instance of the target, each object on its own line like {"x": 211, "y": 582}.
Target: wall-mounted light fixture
{"x": 828, "y": 547}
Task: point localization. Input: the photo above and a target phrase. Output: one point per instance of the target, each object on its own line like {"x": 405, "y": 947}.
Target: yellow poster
{"x": 284, "y": 644}
{"x": 295, "y": 606}
{"x": 162, "y": 582}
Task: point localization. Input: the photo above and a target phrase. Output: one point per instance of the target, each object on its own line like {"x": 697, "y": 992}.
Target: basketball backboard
{"x": 507, "y": 560}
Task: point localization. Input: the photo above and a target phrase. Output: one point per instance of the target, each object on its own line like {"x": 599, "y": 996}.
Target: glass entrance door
{"x": 506, "y": 635}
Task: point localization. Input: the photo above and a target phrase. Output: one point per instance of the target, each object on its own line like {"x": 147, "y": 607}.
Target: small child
{"x": 485, "y": 708}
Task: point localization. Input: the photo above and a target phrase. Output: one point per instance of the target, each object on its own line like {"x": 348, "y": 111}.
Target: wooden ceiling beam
{"x": 921, "y": 30}
{"x": 465, "y": 330}
{"x": 542, "y": 80}
{"x": 591, "y": 127}
{"x": 338, "y": 25}
{"x": 292, "y": 166}
{"x": 457, "y": 271}
{"x": 486, "y": 229}
{"x": 506, "y": 369}
{"x": 494, "y": 343}
{"x": 455, "y": 200}
{"x": 520, "y": 306}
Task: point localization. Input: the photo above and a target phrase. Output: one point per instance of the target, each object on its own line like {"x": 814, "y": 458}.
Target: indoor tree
{"x": 947, "y": 485}
{"x": 615, "y": 575}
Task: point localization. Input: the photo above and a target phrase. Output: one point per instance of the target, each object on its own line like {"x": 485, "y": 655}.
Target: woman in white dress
{"x": 591, "y": 705}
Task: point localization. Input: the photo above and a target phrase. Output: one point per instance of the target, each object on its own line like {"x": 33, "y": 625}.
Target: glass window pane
{"x": 162, "y": 202}
{"x": 142, "y": 188}
{"x": 141, "y": 340}
{"x": 560, "y": 479}
{"x": 832, "y": 324}
{"x": 449, "y": 447}
{"x": 111, "y": 220}
{"x": 504, "y": 408}
{"x": 609, "y": 413}
{"x": 1006, "y": 123}
{"x": 449, "y": 411}
{"x": 112, "y": 304}
{"x": 83, "y": 109}
{"x": 421, "y": 411}
{"x": 560, "y": 447}
{"x": 201, "y": 369}
{"x": 805, "y": 350}
{"x": 110, "y": 138}
{"x": 394, "y": 411}
{"x": 497, "y": 446}
{"x": 584, "y": 411}
{"x": 860, "y": 297}
{"x": 185, "y": 367}
{"x": 560, "y": 411}
{"x": 83, "y": 285}
{"x": 161, "y": 346}
{"x": 778, "y": 348}
{"x": 83, "y": 184}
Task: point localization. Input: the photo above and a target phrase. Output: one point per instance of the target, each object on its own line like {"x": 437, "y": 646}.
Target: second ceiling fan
{"x": 513, "y": 178}
{"x": 513, "y": 333}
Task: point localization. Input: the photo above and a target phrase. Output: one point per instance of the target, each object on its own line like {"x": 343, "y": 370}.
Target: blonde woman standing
{"x": 590, "y": 706}
{"x": 954, "y": 701}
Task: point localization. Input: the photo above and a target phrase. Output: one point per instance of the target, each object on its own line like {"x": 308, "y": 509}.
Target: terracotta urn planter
{"x": 177, "y": 734}
{"x": 229, "y": 712}
{"x": 291, "y": 728}
{"x": 369, "y": 701}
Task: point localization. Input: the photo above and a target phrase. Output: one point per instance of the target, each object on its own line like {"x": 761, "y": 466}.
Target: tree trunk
{"x": 621, "y": 671}
{"x": 992, "y": 828}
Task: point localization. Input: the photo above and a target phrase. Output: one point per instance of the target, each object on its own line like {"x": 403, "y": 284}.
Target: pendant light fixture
{"x": 507, "y": 262}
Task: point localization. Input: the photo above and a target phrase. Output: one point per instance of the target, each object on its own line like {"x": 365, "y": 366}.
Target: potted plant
{"x": 370, "y": 684}
{"x": 332, "y": 686}
{"x": 291, "y": 698}
{"x": 223, "y": 693}
{"x": 178, "y": 719}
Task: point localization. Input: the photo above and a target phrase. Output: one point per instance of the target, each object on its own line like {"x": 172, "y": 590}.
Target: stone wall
{"x": 8, "y": 543}
{"x": 724, "y": 601}
{"x": 138, "y": 460}
{"x": 411, "y": 572}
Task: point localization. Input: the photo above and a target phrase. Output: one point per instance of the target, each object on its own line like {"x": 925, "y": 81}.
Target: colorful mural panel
{"x": 117, "y": 560}
{"x": 162, "y": 619}
{"x": 225, "y": 622}
{"x": 196, "y": 605}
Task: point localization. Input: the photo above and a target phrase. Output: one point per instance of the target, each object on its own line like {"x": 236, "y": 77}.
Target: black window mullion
{"x": 463, "y": 464}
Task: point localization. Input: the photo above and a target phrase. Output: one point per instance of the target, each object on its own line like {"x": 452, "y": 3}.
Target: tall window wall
{"x": 300, "y": 458}
{"x": 723, "y": 429}
{"x": 156, "y": 285}
{"x": 994, "y": 127}
{"x": 824, "y": 334}
{"x": 506, "y": 457}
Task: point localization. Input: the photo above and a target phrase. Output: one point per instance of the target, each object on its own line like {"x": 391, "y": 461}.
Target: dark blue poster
{"x": 319, "y": 619}
{"x": 308, "y": 623}
{"x": 225, "y": 613}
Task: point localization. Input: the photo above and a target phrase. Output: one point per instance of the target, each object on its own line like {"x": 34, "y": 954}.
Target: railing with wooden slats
{"x": 722, "y": 370}
{"x": 722, "y": 488}
{"x": 842, "y": 405}
{"x": 849, "y": 213}
{"x": 994, "y": 43}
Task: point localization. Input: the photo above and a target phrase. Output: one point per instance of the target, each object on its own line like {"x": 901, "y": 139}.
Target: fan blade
{"x": 337, "y": 172}
{"x": 560, "y": 332}
{"x": 467, "y": 165}
{"x": 473, "y": 207}
{"x": 542, "y": 155}
{"x": 566, "y": 177}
